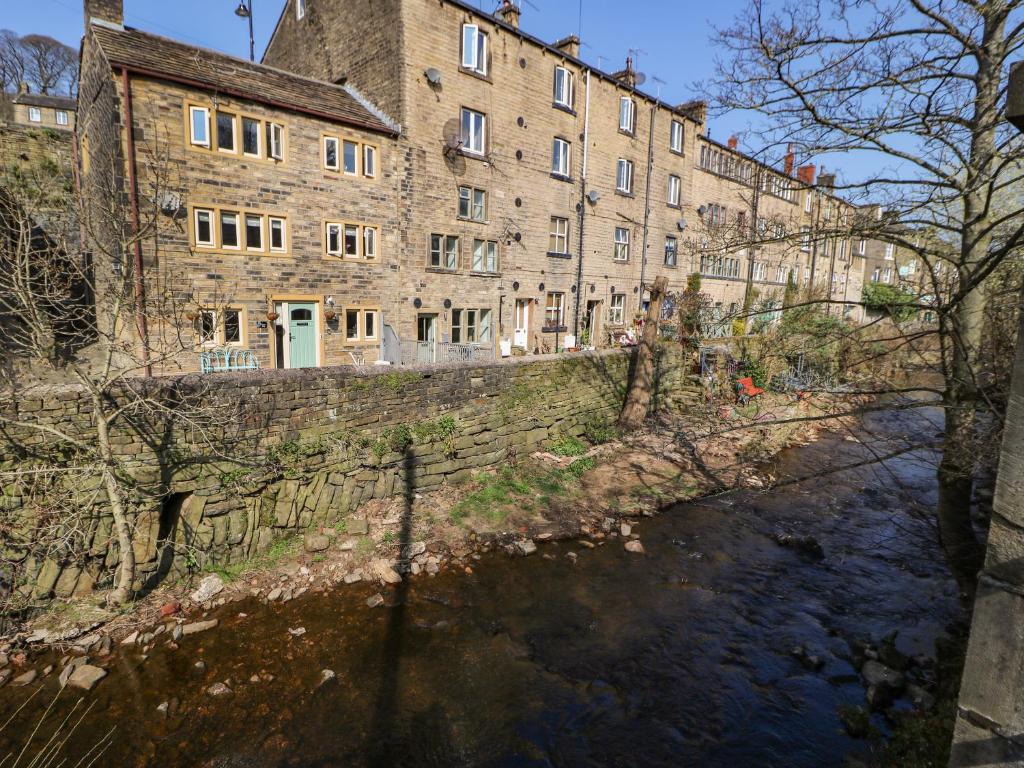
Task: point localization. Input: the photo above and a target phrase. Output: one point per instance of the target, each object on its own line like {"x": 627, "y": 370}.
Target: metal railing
{"x": 228, "y": 359}
{"x": 426, "y": 352}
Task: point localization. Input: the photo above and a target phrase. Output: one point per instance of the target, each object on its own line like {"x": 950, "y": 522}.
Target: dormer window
{"x": 474, "y": 49}
{"x": 627, "y": 114}
{"x": 563, "y": 87}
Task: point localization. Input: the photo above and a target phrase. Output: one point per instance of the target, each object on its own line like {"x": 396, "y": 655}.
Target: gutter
{"x": 583, "y": 213}
{"x": 647, "y": 207}
{"x": 133, "y": 195}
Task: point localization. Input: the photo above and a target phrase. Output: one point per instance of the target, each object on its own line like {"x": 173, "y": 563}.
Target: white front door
{"x": 522, "y": 323}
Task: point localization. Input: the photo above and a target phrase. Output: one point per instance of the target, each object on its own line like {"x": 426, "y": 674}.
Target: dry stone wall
{"x": 305, "y": 448}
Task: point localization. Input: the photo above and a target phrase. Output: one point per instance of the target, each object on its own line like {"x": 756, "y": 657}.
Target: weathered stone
{"x": 526, "y": 547}
{"x": 382, "y": 570}
{"x": 86, "y": 676}
{"x": 635, "y": 547}
{"x": 199, "y": 626}
{"x": 218, "y": 689}
{"x": 315, "y": 542}
{"x": 357, "y": 526}
{"x": 375, "y": 600}
{"x": 327, "y": 676}
{"x": 25, "y": 678}
{"x": 274, "y": 594}
{"x": 209, "y": 587}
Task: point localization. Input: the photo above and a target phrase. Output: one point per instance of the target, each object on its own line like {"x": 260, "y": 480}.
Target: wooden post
{"x": 638, "y": 399}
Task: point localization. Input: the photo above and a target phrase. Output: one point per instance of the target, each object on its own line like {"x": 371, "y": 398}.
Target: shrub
{"x": 568, "y": 446}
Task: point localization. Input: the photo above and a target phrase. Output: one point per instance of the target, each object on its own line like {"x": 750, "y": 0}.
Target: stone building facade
{"x": 41, "y": 110}
{"x": 520, "y": 199}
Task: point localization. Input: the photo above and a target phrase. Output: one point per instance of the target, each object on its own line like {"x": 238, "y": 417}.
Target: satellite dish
{"x": 593, "y": 196}
{"x": 702, "y": 210}
{"x": 433, "y": 76}
{"x": 451, "y": 139}
{"x": 169, "y": 202}
{"x": 681, "y": 224}
{"x": 641, "y": 78}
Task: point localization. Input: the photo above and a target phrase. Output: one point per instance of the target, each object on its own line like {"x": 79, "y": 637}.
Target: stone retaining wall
{"x": 298, "y": 449}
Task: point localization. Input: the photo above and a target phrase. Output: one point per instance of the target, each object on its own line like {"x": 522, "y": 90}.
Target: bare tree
{"x": 638, "y": 396}
{"x": 49, "y": 64}
{"x": 12, "y": 62}
{"x": 918, "y": 87}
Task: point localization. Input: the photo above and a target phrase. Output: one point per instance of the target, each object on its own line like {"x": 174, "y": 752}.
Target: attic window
{"x": 300, "y": 9}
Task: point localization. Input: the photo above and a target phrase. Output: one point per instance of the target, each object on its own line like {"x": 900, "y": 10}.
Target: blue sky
{"x": 672, "y": 35}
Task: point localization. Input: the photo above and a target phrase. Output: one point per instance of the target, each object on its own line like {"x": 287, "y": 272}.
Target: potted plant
{"x": 272, "y": 316}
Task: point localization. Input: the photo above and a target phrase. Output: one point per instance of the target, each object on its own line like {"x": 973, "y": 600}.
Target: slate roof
{"x": 45, "y": 100}
{"x": 161, "y": 57}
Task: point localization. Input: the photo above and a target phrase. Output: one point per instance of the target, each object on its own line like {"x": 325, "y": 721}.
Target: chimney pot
{"x": 509, "y": 11}
{"x": 569, "y": 45}
{"x": 805, "y": 173}
{"x": 110, "y": 11}
{"x": 790, "y": 160}
{"x": 733, "y": 142}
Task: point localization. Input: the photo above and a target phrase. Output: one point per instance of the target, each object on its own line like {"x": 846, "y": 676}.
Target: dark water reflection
{"x": 679, "y": 657}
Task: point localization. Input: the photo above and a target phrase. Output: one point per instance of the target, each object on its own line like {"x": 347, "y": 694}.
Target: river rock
{"x": 352, "y": 578}
{"x": 382, "y": 570}
{"x": 274, "y": 594}
{"x": 357, "y": 526}
{"x": 209, "y": 587}
{"x": 218, "y": 689}
{"x": 414, "y": 549}
{"x": 177, "y": 633}
{"x": 199, "y": 626}
{"x": 327, "y": 676}
{"x": 315, "y": 542}
{"x": 635, "y": 547}
{"x": 625, "y": 529}
{"x": 5, "y": 675}
{"x": 920, "y": 698}
{"x": 25, "y": 679}
{"x": 86, "y": 676}
{"x": 131, "y": 639}
{"x": 526, "y": 547}
{"x": 883, "y": 683}
{"x": 296, "y": 631}
{"x": 805, "y": 545}
{"x": 375, "y": 601}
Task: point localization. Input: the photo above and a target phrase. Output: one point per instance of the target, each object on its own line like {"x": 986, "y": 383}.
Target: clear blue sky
{"x": 672, "y": 35}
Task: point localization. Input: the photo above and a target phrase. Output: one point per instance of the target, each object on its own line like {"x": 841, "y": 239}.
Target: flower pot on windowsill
{"x": 272, "y": 316}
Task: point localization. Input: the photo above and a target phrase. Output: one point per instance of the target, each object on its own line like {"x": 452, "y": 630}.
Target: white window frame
{"x": 35, "y": 115}
{"x": 238, "y": 230}
{"x": 474, "y": 141}
{"x": 283, "y": 248}
{"x": 370, "y": 240}
{"x": 617, "y": 309}
{"x": 245, "y": 229}
{"x": 234, "y": 132}
{"x": 624, "y": 176}
{"x": 443, "y": 251}
{"x": 193, "y": 112}
{"x": 676, "y": 137}
{"x": 559, "y": 232}
{"x": 474, "y": 49}
{"x": 674, "y": 242}
{"x": 561, "y": 157}
{"x": 375, "y": 314}
{"x": 805, "y": 239}
{"x": 275, "y": 141}
{"x": 627, "y": 114}
{"x": 890, "y": 251}
{"x": 259, "y": 136}
{"x": 334, "y": 227}
{"x": 354, "y": 230}
{"x": 369, "y": 161}
{"x": 564, "y": 87}
{"x": 862, "y": 246}
{"x": 622, "y": 244}
{"x": 62, "y": 117}
{"x": 559, "y": 307}
{"x": 675, "y": 187}
{"x": 212, "y": 242}
{"x": 343, "y": 157}
{"x": 328, "y": 140}
{"x": 485, "y": 256}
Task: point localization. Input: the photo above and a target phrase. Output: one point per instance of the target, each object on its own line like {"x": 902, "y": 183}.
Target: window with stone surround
{"x": 233, "y": 133}
{"x": 671, "y": 251}
{"x": 471, "y": 326}
{"x": 331, "y": 161}
{"x": 350, "y": 157}
{"x": 233, "y": 229}
{"x": 485, "y": 256}
{"x": 474, "y": 131}
{"x": 474, "y": 49}
{"x": 472, "y": 204}
{"x": 554, "y": 310}
{"x": 558, "y": 243}
{"x": 443, "y": 252}
{"x": 617, "y": 309}
{"x": 675, "y": 186}
{"x": 561, "y": 158}
{"x": 564, "y": 87}
{"x": 622, "y": 237}
{"x": 221, "y": 327}
{"x": 624, "y": 177}
{"x": 627, "y": 115}
{"x": 351, "y": 240}
{"x": 226, "y": 126}
{"x": 362, "y": 324}
{"x": 676, "y": 137}
{"x": 62, "y": 117}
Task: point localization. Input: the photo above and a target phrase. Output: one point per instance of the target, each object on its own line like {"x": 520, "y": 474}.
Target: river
{"x": 678, "y": 657}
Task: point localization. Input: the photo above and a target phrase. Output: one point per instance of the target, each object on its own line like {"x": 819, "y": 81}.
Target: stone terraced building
{"x": 402, "y": 176}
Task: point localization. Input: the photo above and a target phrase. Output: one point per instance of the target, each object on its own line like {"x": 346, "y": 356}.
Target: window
{"x": 232, "y": 326}
{"x": 275, "y": 141}
{"x": 444, "y": 251}
{"x": 250, "y": 137}
{"x": 300, "y": 9}
{"x": 890, "y": 251}
{"x": 554, "y": 310}
{"x": 207, "y": 326}
{"x": 331, "y": 153}
{"x": 862, "y": 246}
{"x": 805, "y": 239}
{"x": 760, "y": 270}
{"x": 676, "y": 137}
{"x": 334, "y": 239}
{"x": 370, "y": 242}
{"x": 62, "y": 117}
{"x": 199, "y": 124}
{"x": 362, "y": 324}
{"x": 351, "y": 150}
{"x": 780, "y": 274}
{"x": 559, "y": 241}
{"x": 485, "y": 256}
{"x": 560, "y": 158}
{"x": 369, "y": 324}
{"x": 808, "y": 200}
{"x": 225, "y": 132}
{"x": 563, "y": 87}
{"x": 253, "y": 232}
{"x": 716, "y": 215}
{"x": 351, "y": 241}
{"x": 204, "y": 227}
{"x": 352, "y": 324}
{"x": 624, "y": 177}
{"x": 472, "y": 204}
{"x": 229, "y": 229}
{"x": 35, "y": 115}
{"x": 369, "y": 161}
{"x": 622, "y": 244}
{"x": 876, "y": 275}
{"x": 617, "y": 309}
{"x": 627, "y": 114}
{"x": 474, "y": 129}
{"x": 278, "y": 233}
{"x": 674, "y": 188}
{"x": 670, "y": 251}
{"x": 471, "y": 326}
{"x": 887, "y": 275}
{"x": 474, "y": 49}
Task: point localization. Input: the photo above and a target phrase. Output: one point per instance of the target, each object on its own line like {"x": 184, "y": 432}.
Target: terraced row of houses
{"x": 399, "y": 177}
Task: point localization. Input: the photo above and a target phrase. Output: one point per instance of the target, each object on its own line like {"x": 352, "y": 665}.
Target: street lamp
{"x": 244, "y": 11}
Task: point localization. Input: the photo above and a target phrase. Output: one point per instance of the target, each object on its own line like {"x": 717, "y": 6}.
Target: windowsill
{"x": 619, "y": 261}
{"x": 442, "y": 270}
{"x": 678, "y": 152}
{"x": 672, "y": 266}
{"x": 477, "y": 75}
{"x": 469, "y": 154}
{"x": 674, "y": 206}
{"x": 473, "y": 221}
{"x": 624, "y": 194}
{"x": 624, "y": 132}
{"x": 556, "y": 255}
{"x": 554, "y": 329}
{"x": 475, "y": 273}
{"x": 561, "y": 177}
{"x": 564, "y": 108}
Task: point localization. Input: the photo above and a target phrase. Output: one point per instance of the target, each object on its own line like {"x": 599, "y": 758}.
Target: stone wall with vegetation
{"x": 223, "y": 465}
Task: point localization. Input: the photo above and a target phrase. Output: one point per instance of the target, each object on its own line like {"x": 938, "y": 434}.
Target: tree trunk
{"x": 638, "y": 399}
{"x": 122, "y": 526}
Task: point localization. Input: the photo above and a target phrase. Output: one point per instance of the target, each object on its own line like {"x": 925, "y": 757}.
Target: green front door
{"x": 302, "y": 335}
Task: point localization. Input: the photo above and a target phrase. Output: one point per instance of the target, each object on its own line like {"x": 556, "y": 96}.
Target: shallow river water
{"x": 679, "y": 657}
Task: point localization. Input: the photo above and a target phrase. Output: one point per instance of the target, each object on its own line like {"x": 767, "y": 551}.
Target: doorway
{"x": 521, "y": 327}
{"x": 592, "y": 323}
{"x": 298, "y": 336}
{"x": 426, "y": 338}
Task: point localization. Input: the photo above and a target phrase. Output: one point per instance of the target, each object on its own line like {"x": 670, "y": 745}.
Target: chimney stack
{"x": 509, "y": 11}
{"x": 827, "y": 180}
{"x": 570, "y": 46}
{"x": 696, "y": 110}
{"x": 805, "y": 173}
{"x": 109, "y": 11}
{"x": 627, "y": 76}
{"x": 734, "y": 141}
{"x": 790, "y": 160}
{"x": 23, "y": 88}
